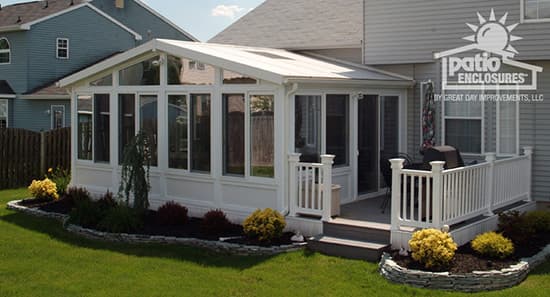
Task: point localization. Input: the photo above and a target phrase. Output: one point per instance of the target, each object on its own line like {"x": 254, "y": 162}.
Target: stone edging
{"x": 216, "y": 246}
{"x": 476, "y": 281}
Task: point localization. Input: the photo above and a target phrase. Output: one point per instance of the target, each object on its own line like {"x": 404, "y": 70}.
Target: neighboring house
{"x": 43, "y": 41}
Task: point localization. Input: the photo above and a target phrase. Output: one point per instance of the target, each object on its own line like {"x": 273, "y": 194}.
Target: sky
{"x": 201, "y": 18}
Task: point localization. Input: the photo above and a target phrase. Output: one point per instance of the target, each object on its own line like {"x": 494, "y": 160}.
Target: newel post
{"x": 528, "y": 151}
{"x": 490, "y": 199}
{"x": 437, "y": 195}
{"x": 396, "y": 169}
{"x": 327, "y": 161}
{"x": 293, "y": 160}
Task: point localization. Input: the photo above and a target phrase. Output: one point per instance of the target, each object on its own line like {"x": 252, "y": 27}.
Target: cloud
{"x": 229, "y": 11}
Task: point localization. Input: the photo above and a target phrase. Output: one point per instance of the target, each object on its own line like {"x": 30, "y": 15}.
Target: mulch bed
{"x": 467, "y": 261}
{"x": 191, "y": 229}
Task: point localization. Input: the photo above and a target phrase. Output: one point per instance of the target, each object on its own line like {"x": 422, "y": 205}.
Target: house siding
{"x": 32, "y": 114}
{"x": 139, "y": 19}
{"x": 15, "y": 73}
{"x": 82, "y": 27}
{"x": 403, "y": 32}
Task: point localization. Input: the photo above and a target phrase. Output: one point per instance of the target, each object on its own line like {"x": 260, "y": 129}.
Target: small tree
{"x": 135, "y": 171}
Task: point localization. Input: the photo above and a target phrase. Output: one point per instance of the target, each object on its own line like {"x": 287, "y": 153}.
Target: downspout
{"x": 293, "y": 89}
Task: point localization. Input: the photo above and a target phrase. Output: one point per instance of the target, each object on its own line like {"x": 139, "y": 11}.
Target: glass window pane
{"x": 127, "y": 122}
{"x": 544, "y": 9}
{"x": 234, "y": 78}
{"x": 104, "y": 81}
{"x": 389, "y": 113}
{"x": 233, "y": 132}
{"x": 145, "y": 73}
{"x": 508, "y": 127}
{"x": 102, "y": 128}
{"x": 337, "y": 128}
{"x": 4, "y": 44}
{"x": 531, "y": 9}
{"x": 149, "y": 123}
{"x": 5, "y": 57}
{"x": 200, "y": 132}
{"x": 178, "y": 117}
{"x": 307, "y": 127}
{"x": 464, "y": 108}
{"x": 465, "y": 135}
{"x": 262, "y": 136}
{"x": 84, "y": 106}
{"x": 58, "y": 116}
{"x": 183, "y": 71}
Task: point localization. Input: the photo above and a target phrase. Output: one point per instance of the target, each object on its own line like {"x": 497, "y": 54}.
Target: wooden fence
{"x": 26, "y": 155}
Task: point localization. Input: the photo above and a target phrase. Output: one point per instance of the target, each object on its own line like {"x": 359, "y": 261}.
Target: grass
{"x": 39, "y": 258}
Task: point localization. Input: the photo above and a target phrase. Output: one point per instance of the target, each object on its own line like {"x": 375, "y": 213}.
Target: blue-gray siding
{"x": 34, "y": 115}
{"x": 16, "y": 72}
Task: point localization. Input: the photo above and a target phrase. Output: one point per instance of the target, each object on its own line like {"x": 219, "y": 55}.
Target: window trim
{"x": 7, "y": 111}
{"x": 523, "y": 19}
{"x": 8, "y": 51}
{"x": 63, "y": 125}
{"x": 78, "y": 112}
{"x": 498, "y": 128}
{"x": 57, "y": 48}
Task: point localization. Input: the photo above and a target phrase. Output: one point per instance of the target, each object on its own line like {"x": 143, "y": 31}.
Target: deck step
{"x": 357, "y": 230}
{"x": 346, "y": 248}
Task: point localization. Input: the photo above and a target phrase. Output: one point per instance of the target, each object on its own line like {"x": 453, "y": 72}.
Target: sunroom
{"x": 231, "y": 124}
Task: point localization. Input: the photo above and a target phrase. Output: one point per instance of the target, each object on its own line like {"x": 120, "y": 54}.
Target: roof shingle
{"x": 21, "y": 13}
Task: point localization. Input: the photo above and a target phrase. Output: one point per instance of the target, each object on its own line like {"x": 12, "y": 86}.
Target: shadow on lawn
{"x": 175, "y": 252}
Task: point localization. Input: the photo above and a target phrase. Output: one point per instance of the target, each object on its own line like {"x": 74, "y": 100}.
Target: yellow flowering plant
{"x": 432, "y": 248}
{"x": 493, "y": 245}
{"x": 264, "y": 225}
{"x": 60, "y": 177}
{"x": 44, "y": 189}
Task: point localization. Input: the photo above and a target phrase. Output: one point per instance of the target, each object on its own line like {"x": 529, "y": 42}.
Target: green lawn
{"x": 38, "y": 258}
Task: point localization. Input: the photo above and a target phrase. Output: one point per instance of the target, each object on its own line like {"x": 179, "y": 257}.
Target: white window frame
{"x": 523, "y": 19}
{"x": 498, "y": 128}
{"x": 8, "y": 51}
{"x": 52, "y": 113}
{"x": 6, "y": 101}
{"x": 481, "y": 118}
{"x": 58, "y": 47}
{"x": 78, "y": 112}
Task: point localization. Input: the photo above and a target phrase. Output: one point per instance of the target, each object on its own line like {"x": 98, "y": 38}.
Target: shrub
{"x": 61, "y": 178}
{"x": 432, "y": 248}
{"x": 525, "y": 229}
{"x": 44, "y": 189}
{"x": 264, "y": 225}
{"x": 172, "y": 214}
{"x": 121, "y": 219}
{"x": 134, "y": 177}
{"x": 215, "y": 223}
{"x": 493, "y": 245}
{"x": 539, "y": 221}
{"x": 86, "y": 214}
{"x": 78, "y": 194}
{"x": 107, "y": 201}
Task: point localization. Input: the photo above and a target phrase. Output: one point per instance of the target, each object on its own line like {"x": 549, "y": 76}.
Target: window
{"x": 58, "y": 116}
{"x": 62, "y": 48}
{"x": 146, "y": 73}
{"x": 536, "y": 9}
{"x": 127, "y": 122}
{"x": 262, "y": 136}
{"x": 105, "y": 81}
{"x": 5, "y": 51}
{"x": 233, "y": 119}
{"x": 307, "y": 127}
{"x": 464, "y": 124}
{"x": 337, "y": 137}
{"x": 183, "y": 71}
{"x": 178, "y": 132}
{"x": 200, "y": 132}
{"x": 85, "y": 111}
{"x": 149, "y": 123}
{"x": 233, "y": 78}
{"x": 507, "y": 125}
{"x": 101, "y": 128}
{"x": 3, "y": 113}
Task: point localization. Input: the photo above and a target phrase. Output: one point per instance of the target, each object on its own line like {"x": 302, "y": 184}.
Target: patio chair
{"x": 385, "y": 169}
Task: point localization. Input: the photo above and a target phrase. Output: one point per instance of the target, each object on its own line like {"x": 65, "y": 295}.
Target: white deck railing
{"x": 432, "y": 199}
{"x": 310, "y": 187}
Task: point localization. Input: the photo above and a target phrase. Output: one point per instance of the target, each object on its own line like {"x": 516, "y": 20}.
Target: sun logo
{"x": 494, "y": 36}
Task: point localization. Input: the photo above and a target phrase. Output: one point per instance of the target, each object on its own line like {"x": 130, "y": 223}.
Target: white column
{"x": 293, "y": 161}
{"x": 327, "y": 161}
{"x": 490, "y": 158}
{"x": 397, "y": 168}
{"x": 437, "y": 194}
{"x": 528, "y": 151}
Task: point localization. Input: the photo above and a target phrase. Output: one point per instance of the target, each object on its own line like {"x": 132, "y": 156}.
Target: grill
{"x": 449, "y": 154}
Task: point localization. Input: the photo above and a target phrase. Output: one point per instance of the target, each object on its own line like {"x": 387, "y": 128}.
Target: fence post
{"x": 437, "y": 195}
{"x": 490, "y": 158}
{"x": 42, "y": 152}
{"x": 293, "y": 160}
{"x": 397, "y": 167}
{"x": 528, "y": 151}
{"x": 327, "y": 161}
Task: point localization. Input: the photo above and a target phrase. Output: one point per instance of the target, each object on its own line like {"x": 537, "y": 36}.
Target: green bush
{"x": 121, "y": 219}
{"x": 432, "y": 248}
{"x": 539, "y": 222}
{"x": 493, "y": 245}
{"x": 61, "y": 177}
{"x": 86, "y": 214}
{"x": 264, "y": 225}
{"x": 527, "y": 228}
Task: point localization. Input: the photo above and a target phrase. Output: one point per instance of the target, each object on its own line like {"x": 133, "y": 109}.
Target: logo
{"x": 487, "y": 63}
